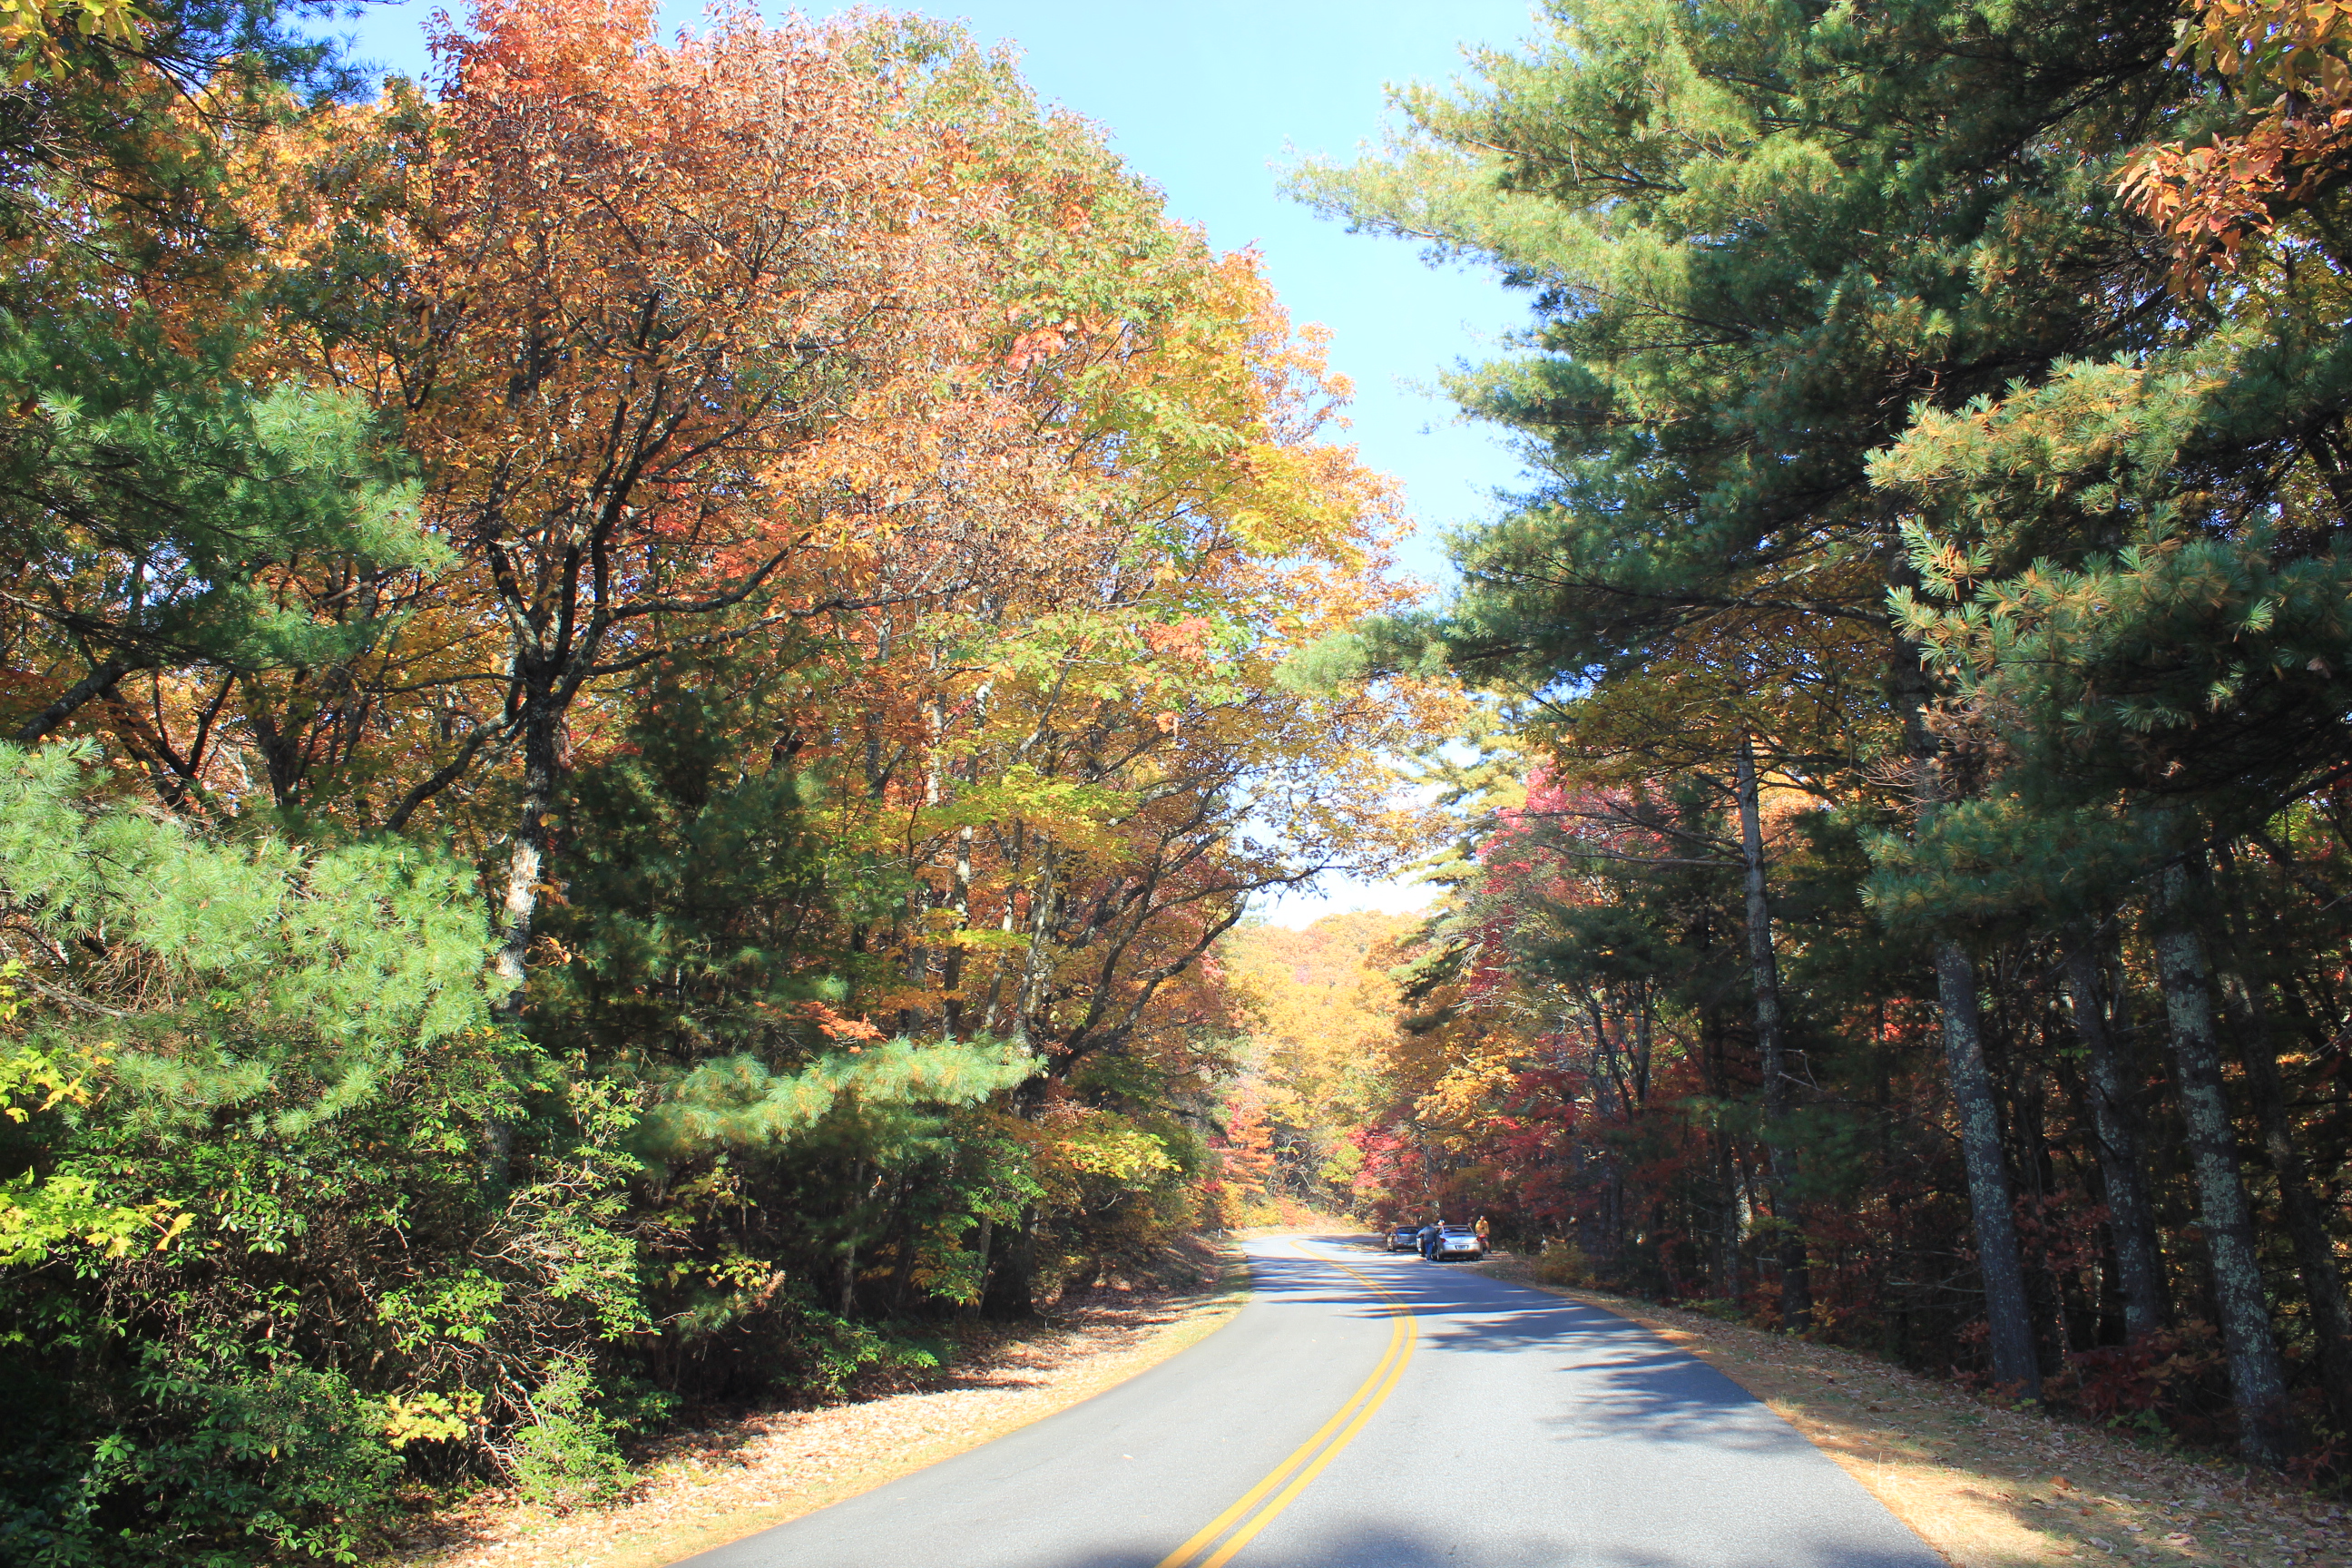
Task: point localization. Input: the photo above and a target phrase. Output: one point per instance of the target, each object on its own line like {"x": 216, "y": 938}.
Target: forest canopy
{"x": 647, "y": 687}
{"x": 637, "y": 679}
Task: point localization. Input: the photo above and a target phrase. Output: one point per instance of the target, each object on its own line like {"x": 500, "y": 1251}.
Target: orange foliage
{"x": 2286, "y": 61}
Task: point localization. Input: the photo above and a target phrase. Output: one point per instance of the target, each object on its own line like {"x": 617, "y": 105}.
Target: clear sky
{"x": 1211, "y": 99}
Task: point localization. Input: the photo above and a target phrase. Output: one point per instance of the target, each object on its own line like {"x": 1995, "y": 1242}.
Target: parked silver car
{"x": 1456, "y": 1241}
{"x": 1403, "y": 1239}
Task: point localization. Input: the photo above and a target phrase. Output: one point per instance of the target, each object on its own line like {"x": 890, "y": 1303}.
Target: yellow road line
{"x": 1347, "y": 1422}
{"x": 1399, "y": 1333}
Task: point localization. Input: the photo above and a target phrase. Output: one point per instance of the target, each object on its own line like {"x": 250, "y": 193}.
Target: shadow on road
{"x": 1534, "y": 1547}
{"x": 1635, "y": 1386}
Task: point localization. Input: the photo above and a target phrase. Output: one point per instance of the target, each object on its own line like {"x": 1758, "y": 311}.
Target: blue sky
{"x": 1212, "y": 99}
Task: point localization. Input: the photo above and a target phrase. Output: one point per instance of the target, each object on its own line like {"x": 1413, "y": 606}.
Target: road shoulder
{"x": 706, "y": 1488}
{"x": 1988, "y": 1487}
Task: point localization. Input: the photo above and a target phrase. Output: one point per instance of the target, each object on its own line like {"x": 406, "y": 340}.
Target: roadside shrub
{"x": 1563, "y": 1262}
{"x": 568, "y": 1455}
{"x": 282, "y": 1461}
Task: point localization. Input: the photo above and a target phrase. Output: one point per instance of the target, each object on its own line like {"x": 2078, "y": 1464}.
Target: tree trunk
{"x": 1726, "y": 1173}
{"x": 1764, "y": 969}
{"x": 849, "y": 1245}
{"x": 2016, "y": 1363}
{"x": 519, "y": 905}
{"x": 987, "y": 1241}
{"x": 960, "y": 901}
{"x": 2306, "y": 1221}
{"x": 2115, "y": 1116}
{"x": 902, "y": 1245}
{"x": 1728, "y": 1240}
{"x": 1033, "y": 962}
{"x": 2257, "y": 1380}
{"x": 527, "y": 850}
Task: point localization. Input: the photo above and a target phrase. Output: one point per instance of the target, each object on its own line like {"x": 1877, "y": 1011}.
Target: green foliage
{"x": 567, "y": 1453}
{"x": 736, "y": 1102}
{"x": 218, "y": 1465}
{"x": 1995, "y": 864}
{"x": 251, "y": 1078}
{"x": 300, "y": 983}
{"x": 39, "y": 1216}
{"x": 1621, "y": 171}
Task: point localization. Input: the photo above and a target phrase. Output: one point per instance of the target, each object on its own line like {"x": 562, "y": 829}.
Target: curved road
{"x": 1369, "y": 1410}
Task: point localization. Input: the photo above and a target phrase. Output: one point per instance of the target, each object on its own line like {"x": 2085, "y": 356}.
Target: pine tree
{"x": 1757, "y": 245}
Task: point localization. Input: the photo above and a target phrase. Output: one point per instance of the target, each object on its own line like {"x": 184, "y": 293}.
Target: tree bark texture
{"x": 2016, "y": 1362}
{"x": 2115, "y": 1120}
{"x": 519, "y": 906}
{"x": 1771, "y": 1047}
{"x": 2257, "y": 1378}
{"x": 985, "y": 1244}
{"x": 2306, "y": 1223}
{"x": 527, "y": 853}
{"x": 2306, "y": 1220}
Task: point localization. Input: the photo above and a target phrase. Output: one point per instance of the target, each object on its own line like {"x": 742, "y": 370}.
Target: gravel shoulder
{"x": 704, "y": 1488}
{"x": 1988, "y": 1488}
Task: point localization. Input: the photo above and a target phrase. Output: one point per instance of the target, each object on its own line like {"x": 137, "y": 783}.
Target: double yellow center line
{"x": 1307, "y": 1461}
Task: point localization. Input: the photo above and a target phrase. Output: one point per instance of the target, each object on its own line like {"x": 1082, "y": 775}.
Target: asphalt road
{"x": 1404, "y": 1414}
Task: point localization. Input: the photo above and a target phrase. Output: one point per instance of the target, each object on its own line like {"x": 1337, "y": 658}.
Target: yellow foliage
{"x": 429, "y": 1418}
{"x": 30, "y": 30}
{"x": 1321, "y": 1019}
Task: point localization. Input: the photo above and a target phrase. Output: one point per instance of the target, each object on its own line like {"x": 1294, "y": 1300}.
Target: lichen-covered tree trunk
{"x": 2115, "y": 1119}
{"x": 2009, "y": 1316}
{"x": 2257, "y": 1379}
{"x": 1772, "y": 1049}
{"x": 1727, "y": 1172}
{"x": 983, "y": 1243}
{"x": 2016, "y": 1363}
{"x": 1727, "y": 1176}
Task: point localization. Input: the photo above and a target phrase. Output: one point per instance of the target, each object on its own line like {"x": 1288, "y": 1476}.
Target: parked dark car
{"x": 1456, "y": 1241}
{"x": 1403, "y": 1239}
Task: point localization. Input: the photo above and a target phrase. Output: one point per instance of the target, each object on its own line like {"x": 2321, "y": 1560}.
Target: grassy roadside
{"x": 1988, "y": 1488}
{"x": 704, "y": 1488}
